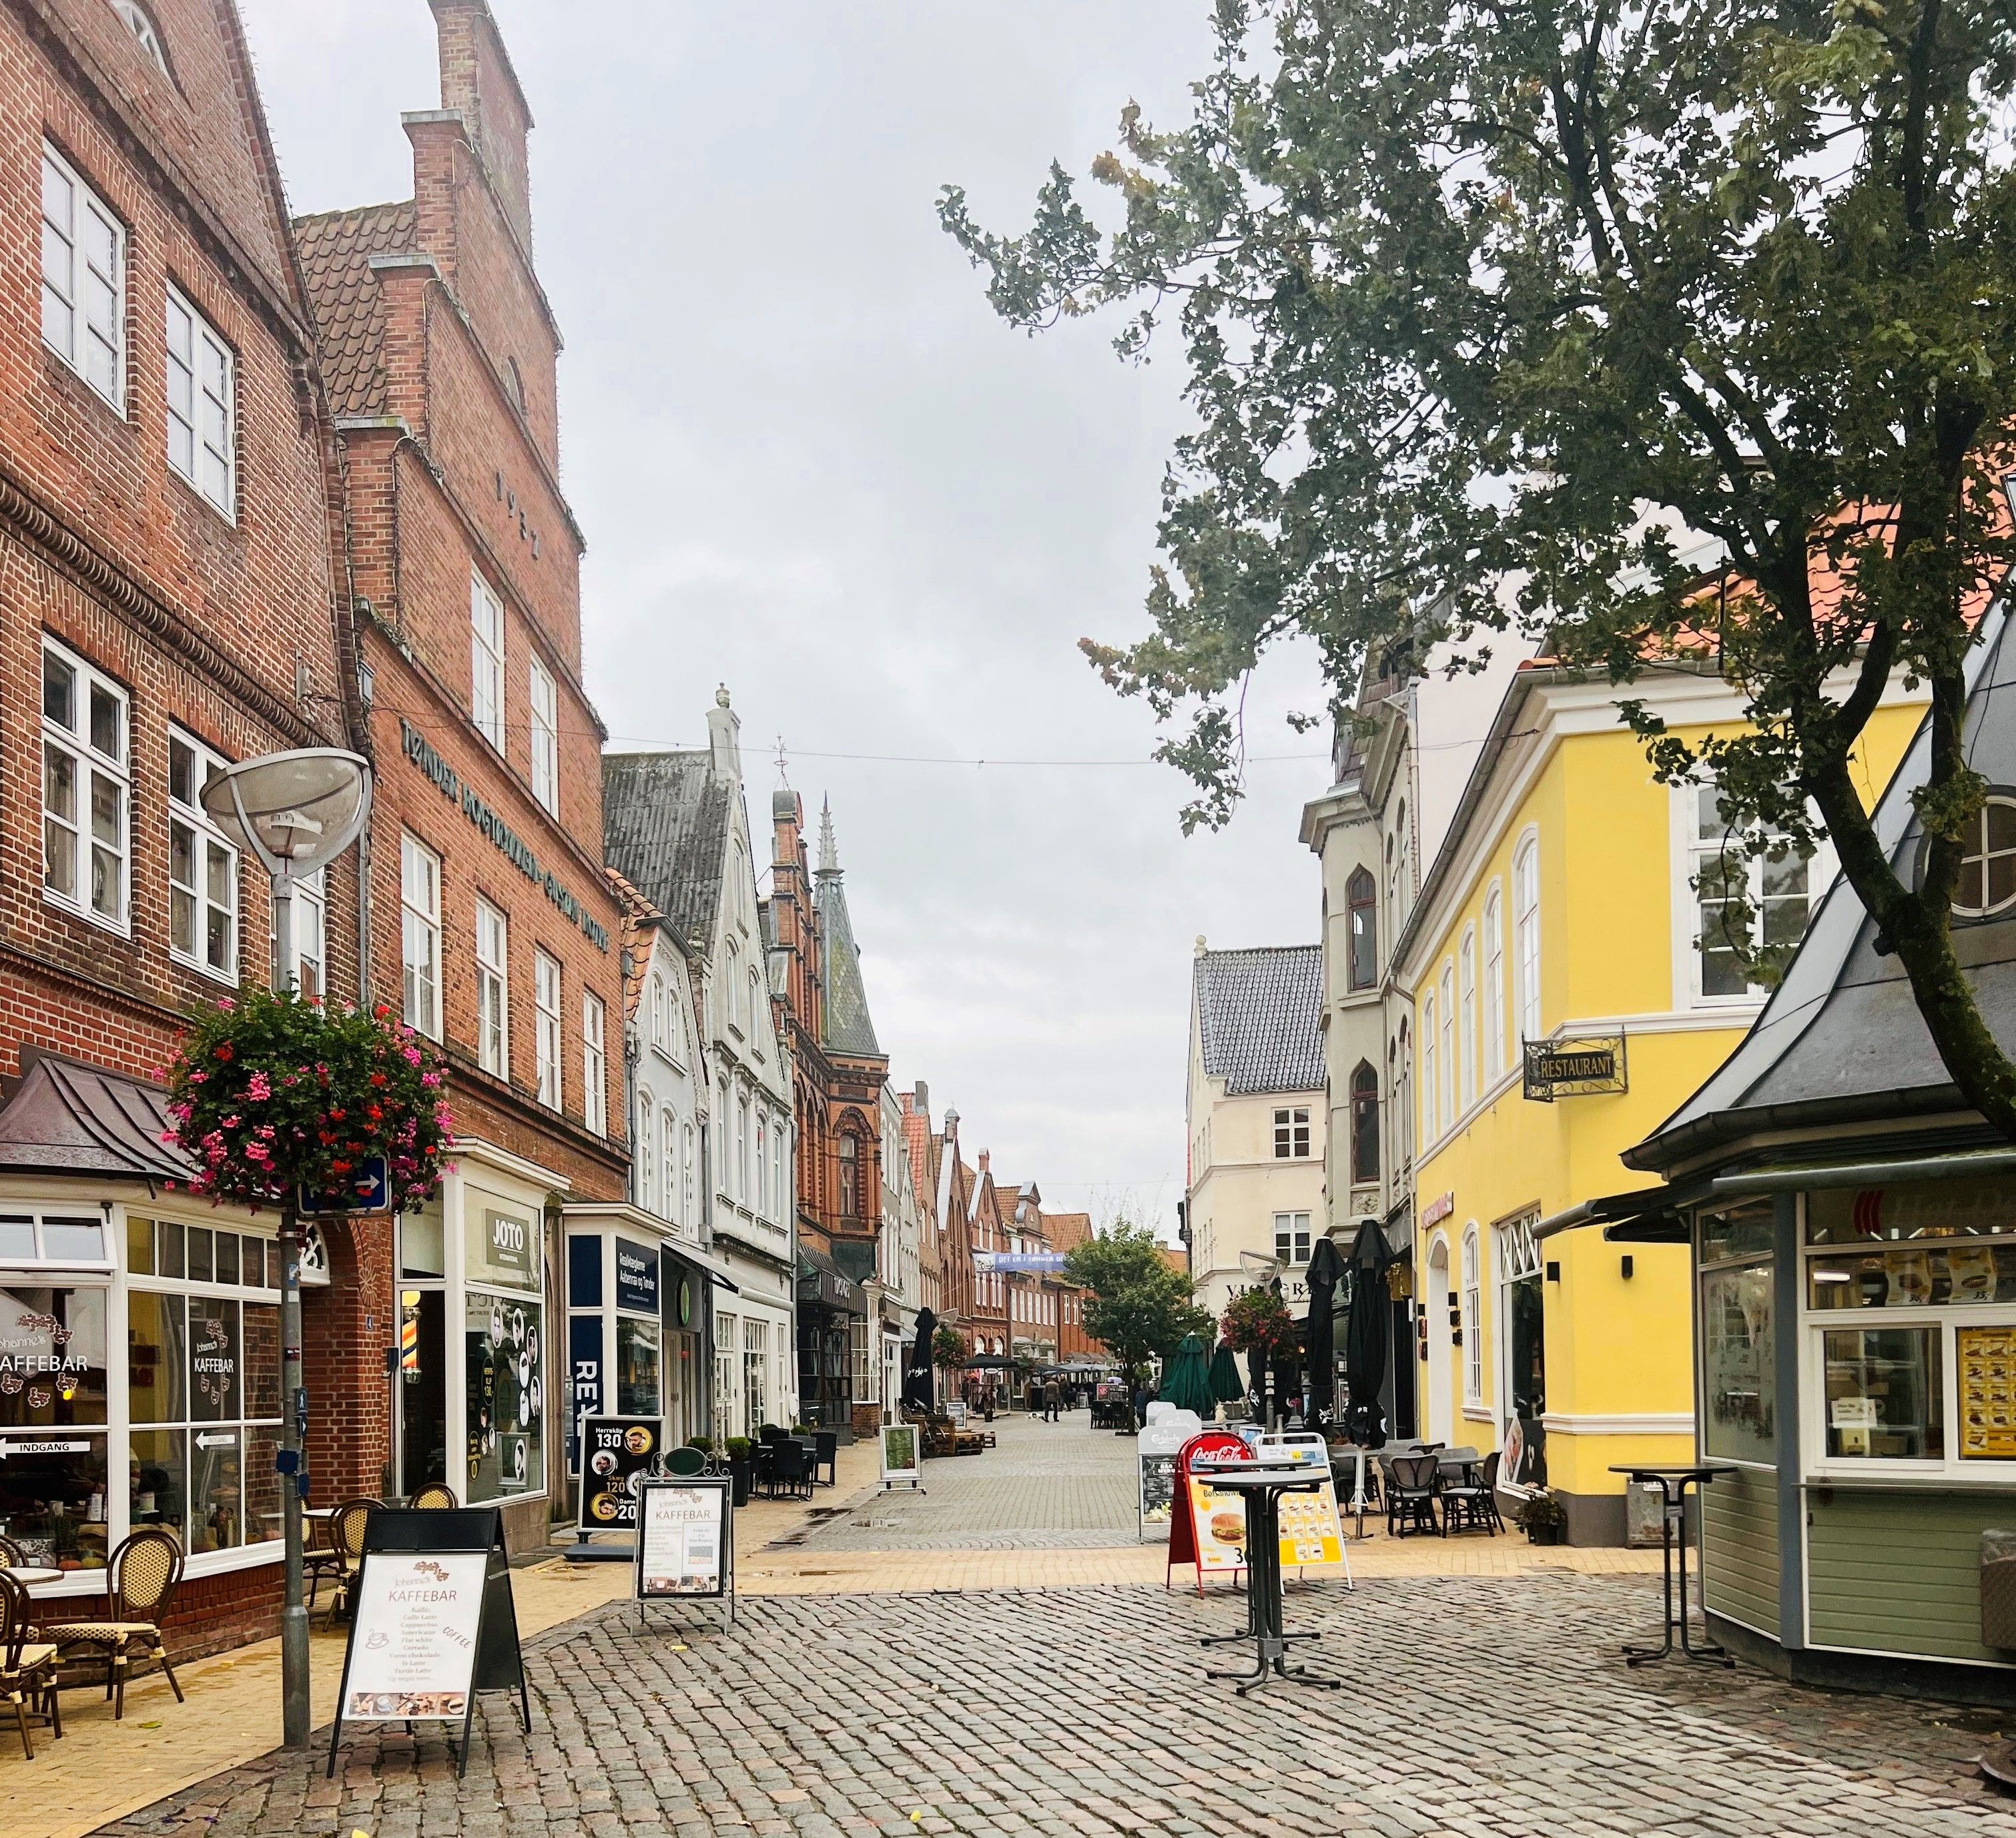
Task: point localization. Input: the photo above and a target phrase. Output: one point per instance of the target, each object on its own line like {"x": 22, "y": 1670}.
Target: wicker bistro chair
{"x": 10, "y": 1553}
{"x": 1411, "y": 1489}
{"x": 140, "y": 1584}
{"x": 27, "y": 1667}
{"x": 346, "y": 1540}
{"x": 435, "y": 1496}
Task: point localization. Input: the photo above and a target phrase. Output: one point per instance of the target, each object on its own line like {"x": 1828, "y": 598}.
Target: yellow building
{"x": 1561, "y": 923}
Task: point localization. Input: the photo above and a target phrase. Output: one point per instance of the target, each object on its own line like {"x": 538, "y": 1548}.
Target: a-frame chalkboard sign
{"x": 433, "y": 1623}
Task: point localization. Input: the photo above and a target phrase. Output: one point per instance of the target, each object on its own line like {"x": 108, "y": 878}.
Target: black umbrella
{"x": 919, "y": 1393}
{"x": 1319, "y": 1331}
{"x": 1288, "y": 1372}
{"x": 1366, "y": 1333}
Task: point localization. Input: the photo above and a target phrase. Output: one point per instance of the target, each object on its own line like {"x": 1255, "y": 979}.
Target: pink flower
{"x": 412, "y": 1056}
{"x": 257, "y": 1087}
{"x": 431, "y": 1081}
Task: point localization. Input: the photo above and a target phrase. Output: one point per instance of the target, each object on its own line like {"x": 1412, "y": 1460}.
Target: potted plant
{"x": 1542, "y": 1517}
{"x": 741, "y": 1467}
{"x": 703, "y": 1444}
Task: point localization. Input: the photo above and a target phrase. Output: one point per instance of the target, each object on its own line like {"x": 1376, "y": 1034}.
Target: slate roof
{"x": 1259, "y": 1011}
{"x": 665, "y": 821}
{"x": 846, "y": 1026}
{"x": 1841, "y": 1036}
{"x": 336, "y": 247}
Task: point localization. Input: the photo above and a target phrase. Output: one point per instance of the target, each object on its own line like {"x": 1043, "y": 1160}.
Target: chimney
{"x": 923, "y": 1099}
{"x": 951, "y": 1127}
{"x": 478, "y": 84}
{"x": 983, "y": 1160}
{"x": 724, "y": 744}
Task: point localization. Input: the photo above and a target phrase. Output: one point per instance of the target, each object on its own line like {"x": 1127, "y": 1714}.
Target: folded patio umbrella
{"x": 1226, "y": 1386}
{"x": 1318, "y": 1330}
{"x": 1186, "y": 1383}
{"x": 919, "y": 1388}
{"x": 1367, "y": 1331}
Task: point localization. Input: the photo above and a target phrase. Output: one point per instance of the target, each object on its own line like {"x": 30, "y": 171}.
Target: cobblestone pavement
{"x": 1487, "y": 1707}
{"x": 1044, "y": 1486}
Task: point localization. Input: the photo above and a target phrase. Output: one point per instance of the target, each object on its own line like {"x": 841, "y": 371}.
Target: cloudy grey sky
{"x": 812, "y": 464}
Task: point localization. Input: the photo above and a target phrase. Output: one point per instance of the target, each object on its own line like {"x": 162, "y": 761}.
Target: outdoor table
{"x": 1672, "y": 1483}
{"x": 1261, "y": 1485}
{"x": 28, "y": 1575}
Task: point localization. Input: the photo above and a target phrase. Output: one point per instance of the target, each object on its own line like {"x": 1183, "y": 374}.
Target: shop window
{"x": 1521, "y": 1314}
{"x": 505, "y": 1411}
{"x": 86, "y": 788}
{"x": 638, "y": 1374}
{"x": 53, "y": 1382}
{"x": 1739, "y": 1336}
{"x": 1360, "y": 905}
{"x": 755, "y": 1375}
{"x": 1884, "y": 1395}
{"x": 203, "y": 867}
{"x": 83, "y": 279}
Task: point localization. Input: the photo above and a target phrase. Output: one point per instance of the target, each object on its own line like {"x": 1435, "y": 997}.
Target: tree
{"x": 1490, "y": 310}
{"x": 1140, "y": 1306}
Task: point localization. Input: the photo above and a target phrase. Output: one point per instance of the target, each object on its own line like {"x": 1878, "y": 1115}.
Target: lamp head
{"x": 295, "y": 811}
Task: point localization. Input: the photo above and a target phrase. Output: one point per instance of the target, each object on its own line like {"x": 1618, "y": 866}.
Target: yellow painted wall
{"x": 1614, "y": 1347}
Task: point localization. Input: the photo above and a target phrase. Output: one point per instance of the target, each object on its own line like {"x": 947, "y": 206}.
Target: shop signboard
{"x": 616, "y": 1455}
{"x": 1155, "y": 1450}
{"x": 686, "y": 1541}
{"x": 1311, "y": 1529}
{"x": 1204, "y": 1523}
{"x": 636, "y": 1277}
{"x": 902, "y": 1457}
{"x": 584, "y": 1379}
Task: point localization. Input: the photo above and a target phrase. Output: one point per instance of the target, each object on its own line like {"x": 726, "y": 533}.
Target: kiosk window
{"x": 1884, "y": 1394}
{"x": 637, "y": 1368}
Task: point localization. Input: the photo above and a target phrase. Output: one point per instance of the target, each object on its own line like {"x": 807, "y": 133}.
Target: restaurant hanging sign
{"x": 512, "y": 846}
{"x": 1581, "y": 1068}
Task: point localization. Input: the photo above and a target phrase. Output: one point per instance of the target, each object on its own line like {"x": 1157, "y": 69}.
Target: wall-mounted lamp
{"x": 1627, "y": 1267}
{"x": 1554, "y": 1270}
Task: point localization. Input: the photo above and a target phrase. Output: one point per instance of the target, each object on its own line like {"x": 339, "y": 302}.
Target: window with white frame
{"x": 310, "y": 965}
{"x": 732, "y": 988}
{"x": 755, "y": 999}
{"x": 86, "y": 783}
{"x": 1431, "y": 1122}
{"x": 689, "y": 1173}
{"x": 1467, "y": 994}
{"x": 1292, "y": 1133}
{"x": 545, "y": 701}
{"x": 1743, "y": 903}
{"x": 645, "y": 1160}
{"x": 742, "y": 1181}
{"x": 1291, "y": 1237}
{"x": 777, "y": 1174}
{"x": 1494, "y": 983}
{"x": 668, "y": 1149}
{"x": 1473, "y": 1318}
{"x": 594, "y": 1064}
{"x": 763, "y": 1166}
{"x": 493, "y": 991}
{"x": 83, "y": 279}
{"x": 419, "y": 935}
{"x": 1445, "y": 1097}
{"x": 1526, "y": 936}
{"x": 656, "y": 1013}
{"x": 146, "y": 33}
{"x": 1987, "y": 881}
{"x": 203, "y": 382}
{"x": 546, "y": 1030}
{"x": 203, "y": 867}
{"x": 486, "y": 660}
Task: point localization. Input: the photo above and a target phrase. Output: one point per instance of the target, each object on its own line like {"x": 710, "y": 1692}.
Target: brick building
{"x": 490, "y": 924}
{"x": 838, "y": 1071}
{"x": 166, "y": 605}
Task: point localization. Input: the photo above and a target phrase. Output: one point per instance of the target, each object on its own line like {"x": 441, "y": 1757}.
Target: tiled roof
{"x": 665, "y": 824}
{"x": 848, "y": 1026}
{"x": 1066, "y": 1231}
{"x": 1175, "y": 1257}
{"x": 1259, "y": 1011}
{"x": 336, "y": 247}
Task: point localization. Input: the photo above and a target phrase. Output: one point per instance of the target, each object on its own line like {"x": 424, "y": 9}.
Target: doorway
{"x": 1442, "y": 1347}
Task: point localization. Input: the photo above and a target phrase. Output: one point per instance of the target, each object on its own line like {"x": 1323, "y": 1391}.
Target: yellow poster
{"x": 1311, "y": 1533}
{"x": 1987, "y": 1394}
{"x": 1220, "y": 1519}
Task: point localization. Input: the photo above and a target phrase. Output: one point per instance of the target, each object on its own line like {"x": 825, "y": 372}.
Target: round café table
{"x": 1261, "y": 1485}
{"x": 28, "y": 1575}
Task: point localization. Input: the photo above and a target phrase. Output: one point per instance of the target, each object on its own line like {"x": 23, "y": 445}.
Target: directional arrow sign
{"x": 368, "y": 1190}
{"x": 42, "y": 1448}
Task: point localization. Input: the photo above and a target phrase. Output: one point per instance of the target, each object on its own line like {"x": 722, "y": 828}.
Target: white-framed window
{"x": 732, "y": 988}
{"x": 644, "y": 1150}
{"x": 1473, "y": 1318}
{"x": 86, "y": 765}
{"x": 656, "y": 1012}
{"x": 762, "y": 1165}
{"x": 486, "y": 660}
{"x": 1431, "y": 1122}
{"x": 1780, "y": 895}
{"x": 419, "y": 935}
{"x": 203, "y": 386}
{"x": 1291, "y": 1237}
{"x": 777, "y": 1173}
{"x": 1526, "y": 936}
{"x": 493, "y": 991}
{"x": 689, "y": 1172}
{"x": 742, "y": 1181}
{"x": 1445, "y": 1097}
{"x": 1292, "y": 1133}
{"x": 310, "y": 967}
{"x": 1467, "y": 994}
{"x": 1494, "y": 982}
{"x": 83, "y": 279}
{"x": 545, "y": 700}
{"x": 1988, "y": 870}
{"x": 145, "y": 33}
{"x": 546, "y": 1028}
{"x": 755, "y": 999}
{"x": 668, "y": 1149}
{"x": 203, "y": 867}
{"x": 594, "y": 1064}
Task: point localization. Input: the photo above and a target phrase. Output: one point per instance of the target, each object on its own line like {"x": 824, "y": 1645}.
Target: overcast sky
{"x": 812, "y": 465}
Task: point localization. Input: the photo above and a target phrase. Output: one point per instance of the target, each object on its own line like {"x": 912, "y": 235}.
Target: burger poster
{"x": 1220, "y": 1522}
{"x": 616, "y": 1455}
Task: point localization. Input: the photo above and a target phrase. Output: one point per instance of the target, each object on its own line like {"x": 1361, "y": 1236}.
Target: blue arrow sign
{"x": 369, "y": 1190}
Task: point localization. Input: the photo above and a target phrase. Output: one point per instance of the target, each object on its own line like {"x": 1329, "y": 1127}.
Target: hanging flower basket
{"x": 1259, "y": 1318}
{"x": 273, "y": 1093}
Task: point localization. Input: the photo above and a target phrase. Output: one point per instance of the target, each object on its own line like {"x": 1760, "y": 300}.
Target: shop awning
{"x": 68, "y": 1117}
{"x": 821, "y": 1284}
{"x": 703, "y": 1263}
{"x": 1645, "y": 1217}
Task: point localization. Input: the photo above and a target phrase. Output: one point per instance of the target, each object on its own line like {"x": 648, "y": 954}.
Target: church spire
{"x": 829, "y": 855}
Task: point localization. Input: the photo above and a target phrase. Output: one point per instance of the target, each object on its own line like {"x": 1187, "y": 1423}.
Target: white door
{"x": 1441, "y": 1426}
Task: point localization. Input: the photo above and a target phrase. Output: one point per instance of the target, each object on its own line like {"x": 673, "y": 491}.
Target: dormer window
{"x": 1987, "y": 870}
{"x": 144, "y": 30}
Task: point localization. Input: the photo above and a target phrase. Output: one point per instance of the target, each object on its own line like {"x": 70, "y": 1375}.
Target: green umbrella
{"x": 1227, "y": 1386}
{"x": 1186, "y": 1383}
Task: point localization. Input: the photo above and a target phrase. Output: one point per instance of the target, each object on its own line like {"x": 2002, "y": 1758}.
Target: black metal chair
{"x": 791, "y": 1467}
{"x": 825, "y": 1454}
{"x": 1411, "y": 1484}
{"x": 1473, "y": 1505}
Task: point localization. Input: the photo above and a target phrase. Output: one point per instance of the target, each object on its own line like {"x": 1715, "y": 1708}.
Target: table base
{"x": 1271, "y": 1661}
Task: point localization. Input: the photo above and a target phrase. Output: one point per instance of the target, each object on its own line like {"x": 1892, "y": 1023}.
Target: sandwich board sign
{"x": 1155, "y": 1467}
{"x": 902, "y": 1458}
{"x": 686, "y": 1542}
{"x": 434, "y": 1624}
{"x": 616, "y": 1454}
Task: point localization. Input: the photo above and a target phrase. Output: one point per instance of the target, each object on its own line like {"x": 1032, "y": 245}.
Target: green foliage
{"x": 1140, "y": 1306}
{"x": 738, "y": 1447}
{"x": 705, "y": 1444}
{"x": 1258, "y": 1318}
{"x": 272, "y": 1092}
{"x": 949, "y": 1347}
{"x": 1674, "y": 337}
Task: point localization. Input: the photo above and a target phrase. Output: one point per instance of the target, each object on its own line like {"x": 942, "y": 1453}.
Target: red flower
{"x": 224, "y": 1050}
{"x": 339, "y": 1167}
{"x": 378, "y": 1078}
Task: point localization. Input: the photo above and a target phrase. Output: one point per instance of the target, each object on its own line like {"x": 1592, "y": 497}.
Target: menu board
{"x": 616, "y": 1454}
{"x": 1158, "y": 1490}
{"x": 412, "y": 1648}
{"x": 1311, "y": 1533}
{"x": 1219, "y": 1520}
{"x": 686, "y": 1539}
{"x": 901, "y": 1460}
{"x": 1987, "y": 1394}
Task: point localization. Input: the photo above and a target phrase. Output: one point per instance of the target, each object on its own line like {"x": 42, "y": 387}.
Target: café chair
{"x": 28, "y": 1668}
{"x": 1473, "y": 1505}
{"x": 1412, "y": 1484}
{"x": 140, "y": 1582}
{"x": 11, "y": 1555}
{"x": 792, "y": 1468}
{"x": 346, "y": 1543}
{"x": 435, "y": 1496}
{"x": 825, "y": 1446}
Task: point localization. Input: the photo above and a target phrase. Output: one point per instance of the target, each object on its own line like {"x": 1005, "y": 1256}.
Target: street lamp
{"x": 294, "y": 813}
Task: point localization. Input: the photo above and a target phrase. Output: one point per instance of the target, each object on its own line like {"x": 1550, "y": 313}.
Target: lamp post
{"x": 294, "y": 813}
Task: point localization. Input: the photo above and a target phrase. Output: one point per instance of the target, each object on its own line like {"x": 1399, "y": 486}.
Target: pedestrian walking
{"x": 1053, "y": 1402}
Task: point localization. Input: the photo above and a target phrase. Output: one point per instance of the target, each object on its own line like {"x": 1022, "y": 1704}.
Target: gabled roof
{"x": 69, "y": 1118}
{"x": 336, "y": 247}
{"x": 1841, "y": 1036}
{"x": 665, "y": 822}
{"x": 1259, "y": 1012}
{"x": 845, "y": 1025}
{"x": 1066, "y": 1231}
